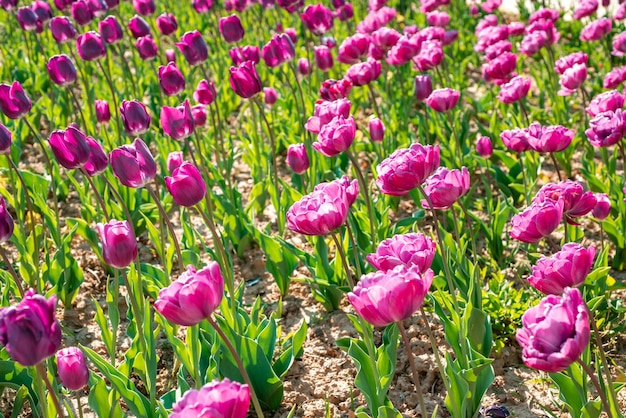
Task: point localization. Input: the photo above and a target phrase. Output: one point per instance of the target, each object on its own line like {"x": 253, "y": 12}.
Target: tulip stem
{"x": 121, "y": 202}
{"x": 9, "y": 266}
{"x": 596, "y": 384}
{"x": 521, "y": 165}
{"x": 244, "y": 373}
{"x": 169, "y": 227}
{"x": 79, "y": 109}
{"x": 79, "y": 405}
{"x": 605, "y": 364}
{"x": 43, "y": 374}
{"x": 524, "y": 111}
{"x": 292, "y": 66}
{"x": 107, "y": 76}
{"x": 370, "y": 91}
{"x": 459, "y": 149}
{"x": 355, "y": 252}
{"x": 366, "y": 195}
{"x": 556, "y": 166}
{"x": 97, "y": 193}
{"x": 83, "y": 78}
{"x": 194, "y": 336}
{"x": 416, "y": 379}
{"x": 120, "y": 52}
{"x": 344, "y": 260}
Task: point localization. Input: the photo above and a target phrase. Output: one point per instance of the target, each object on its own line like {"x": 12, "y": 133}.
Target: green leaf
{"x": 16, "y": 376}
{"x": 292, "y": 350}
{"x": 102, "y": 400}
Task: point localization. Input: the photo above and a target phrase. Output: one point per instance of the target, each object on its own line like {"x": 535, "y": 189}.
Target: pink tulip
{"x": 336, "y": 136}
{"x": 537, "y": 221}
{"x": 444, "y": 187}
{"x": 567, "y": 268}
{"x": 443, "y": 100}
{"x": 186, "y": 185}
{"x": 407, "y": 168}
{"x": 221, "y": 399}
{"x": 410, "y": 249}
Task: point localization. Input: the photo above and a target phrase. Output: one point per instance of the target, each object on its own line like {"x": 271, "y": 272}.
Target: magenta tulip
{"x": 407, "y": 168}
{"x": 318, "y": 19}
{"x": 7, "y": 225}
{"x": 193, "y": 47}
{"x": 72, "y": 368}
{"x": 231, "y": 29}
{"x": 567, "y": 268}
{"x": 119, "y": 246}
{"x": 70, "y": 147}
{"x": 205, "y": 92}
{"x": 103, "y": 112}
{"x": 297, "y": 158}
{"x": 607, "y": 128}
{"x": 14, "y": 102}
{"x": 111, "y": 30}
{"x": 133, "y": 165}
{"x": 171, "y": 79}
{"x": 61, "y": 70}
{"x": 537, "y": 221}
{"x": 336, "y": 136}
{"x": 177, "y": 122}
{"x": 410, "y": 249}
{"x": 167, "y": 24}
{"x": 6, "y": 139}
{"x": 220, "y": 399}
{"x": 90, "y": 46}
{"x": 245, "y": 81}
{"x": 62, "y": 29}
{"x": 135, "y": 117}
{"x": 98, "y": 160}
{"x": 186, "y": 185}
{"x": 444, "y": 187}
{"x": 443, "y": 100}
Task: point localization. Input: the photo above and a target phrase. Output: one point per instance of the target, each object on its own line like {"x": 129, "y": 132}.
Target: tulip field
{"x": 295, "y": 208}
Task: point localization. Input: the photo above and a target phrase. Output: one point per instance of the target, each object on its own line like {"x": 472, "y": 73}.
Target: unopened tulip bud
{"x": 111, "y": 30}
{"x": 484, "y": 147}
{"x": 138, "y": 27}
{"x": 6, "y": 138}
{"x": 62, "y": 29}
{"x": 61, "y": 70}
{"x": 98, "y": 160}
{"x": 323, "y": 58}
{"x": 231, "y": 29}
{"x": 70, "y": 147}
{"x": 14, "y": 102}
{"x": 119, "y": 246}
{"x": 103, "y": 112}
{"x": 199, "y": 115}
{"x": 186, "y": 185}
{"x": 81, "y": 13}
{"x": 90, "y": 46}
{"x": 135, "y": 117}
{"x": 166, "y": 23}
{"x": 603, "y": 207}
{"x": 377, "y": 130}
{"x": 72, "y": 368}
{"x": 423, "y": 87}
{"x": 171, "y": 79}
{"x": 270, "y": 96}
{"x": 6, "y": 222}
{"x": 147, "y": 48}
{"x": 245, "y": 80}
{"x": 304, "y": 68}
{"x": 297, "y": 158}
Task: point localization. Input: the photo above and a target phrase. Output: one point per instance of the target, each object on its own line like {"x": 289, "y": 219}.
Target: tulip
{"x": 43, "y": 12}
{"x": 567, "y": 268}
{"x": 98, "y": 7}
{"x": 515, "y": 90}
{"x": 62, "y": 4}
{"x": 177, "y": 122}
{"x": 408, "y": 250}
{"x": 576, "y": 202}
{"x": 30, "y": 331}
{"x": 110, "y": 30}
{"x": 147, "y": 48}
{"x": 555, "y": 333}
{"x": 192, "y": 298}
{"x": 500, "y": 67}
{"x": 423, "y": 87}
{"x": 444, "y": 187}
{"x": 245, "y": 53}
{"x": 174, "y": 160}
{"x": 533, "y": 42}
{"x": 376, "y": 130}
{"x": 133, "y": 165}
{"x": 325, "y": 112}
{"x": 383, "y": 40}
{"x": 549, "y": 138}
{"x": 98, "y": 160}
{"x": 81, "y": 13}
{"x": 6, "y": 138}
{"x": 499, "y": 48}
{"x": 404, "y": 50}
{"x": 614, "y": 78}
{"x": 171, "y": 79}
{"x": 231, "y": 29}
{"x": 72, "y": 368}
{"x": 199, "y": 115}
{"x": 443, "y": 100}
{"x": 69, "y": 147}
{"x": 278, "y": 50}
{"x": 572, "y": 79}
{"x": 609, "y": 100}
{"x": 607, "y": 128}
{"x": 245, "y": 81}
{"x": 291, "y": 6}
{"x": 429, "y": 57}
{"x": 537, "y": 221}
{"x": 437, "y": 18}
{"x": 135, "y": 117}
{"x": 6, "y": 224}
{"x": 321, "y": 211}
{"x": 407, "y": 168}
{"x": 90, "y": 46}
{"x": 202, "y": 6}
{"x": 384, "y": 297}
{"x": 619, "y": 44}
{"x": 170, "y": 55}
{"x": 323, "y": 58}
{"x": 603, "y": 206}
{"x": 103, "y": 112}
{"x": 354, "y": 48}
{"x": 336, "y": 136}
{"x": 297, "y": 158}
{"x": 221, "y": 399}
{"x": 27, "y": 19}
{"x": 144, "y": 7}
{"x": 364, "y": 73}
{"x": 318, "y": 19}
{"x": 484, "y": 147}
{"x": 61, "y": 70}
{"x": 596, "y": 30}
{"x": 166, "y": 23}
{"x": 516, "y": 139}
{"x": 269, "y": 96}
{"x": 119, "y": 246}
{"x": 14, "y": 102}
{"x": 205, "y": 92}
{"x": 293, "y": 35}
{"x": 304, "y": 68}
{"x": 544, "y": 13}
{"x": 332, "y": 90}
{"x": 186, "y": 185}
{"x": 138, "y": 27}
{"x": 112, "y": 4}
{"x": 62, "y": 29}
{"x": 585, "y": 8}
{"x": 8, "y": 5}
{"x": 193, "y": 48}
{"x": 345, "y": 12}
{"x": 620, "y": 13}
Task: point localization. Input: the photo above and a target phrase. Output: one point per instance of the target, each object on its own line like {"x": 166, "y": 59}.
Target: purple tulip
{"x": 30, "y": 331}
{"x": 112, "y": 4}
{"x": 407, "y": 168}
{"x": 69, "y": 147}
{"x": 103, "y": 112}
{"x": 596, "y": 30}
{"x": 364, "y": 73}
{"x": 202, "y": 6}
{"x": 404, "y": 50}
{"x": 170, "y": 55}
{"x": 515, "y": 90}
{"x": 177, "y": 122}
{"x": 500, "y": 67}
{"x": 619, "y": 44}
{"x": 607, "y": 128}
{"x": 98, "y": 160}
{"x": 98, "y": 7}
{"x": 174, "y": 160}
{"x": 133, "y": 165}
{"x": 423, "y": 87}
{"x": 325, "y": 112}
{"x": 576, "y": 202}
{"x": 61, "y": 70}
{"x": 171, "y": 79}
{"x": 336, "y": 136}
{"x": 318, "y": 19}
{"x": 569, "y": 61}
{"x": 225, "y": 399}
{"x": 585, "y": 8}
{"x": 81, "y": 13}
{"x": 72, "y": 368}
{"x": 231, "y": 29}
{"x": 14, "y": 102}
{"x": 111, "y": 30}
{"x": 166, "y": 23}
{"x": 437, "y": 18}
{"x": 354, "y": 48}
{"x": 245, "y": 81}
{"x": 484, "y": 148}
{"x": 620, "y": 13}
{"x": 205, "y": 92}
{"x": 291, "y": 6}
{"x": 555, "y": 333}
{"x": 135, "y": 117}
{"x": 297, "y": 158}
{"x": 603, "y": 207}
{"x": 269, "y": 96}
{"x": 62, "y": 4}
{"x": 537, "y": 221}
{"x": 138, "y": 27}
{"x": 572, "y": 79}
{"x": 8, "y": 5}
{"x": 304, "y": 68}
{"x": 609, "y": 100}
{"x": 443, "y": 100}
{"x": 27, "y": 18}
{"x": 147, "y": 48}
{"x": 384, "y": 297}
{"x": 245, "y": 53}
{"x": 549, "y": 139}
{"x": 193, "y": 48}
{"x": 186, "y": 185}
{"x": 6, "y": 139}
{"x": 444, "y": 187}
{"x": 567, "y": 268}
{"x": 90, "y": 46}
{"x": 323, "y": 58}
{"x": 7, "y": 225}
{"x": 62, "y": 29}
{"x": 429, "y": 57}
{"x": 408, "y": 250}
{"x": 332, "y": 90}
{"x": 278, "y": 50}
{"x": 614, "y": 78}
{"x": 544, "y": 14}
{"x": 199, "y": 115}
{"x": 376, "y": 130}
{"x": 119, "y": 246}
{"x": 144, "y": 7}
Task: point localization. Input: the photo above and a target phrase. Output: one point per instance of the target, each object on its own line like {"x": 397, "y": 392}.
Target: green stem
{"x": 344, "y": 260}
{"x": 107, "y": 76}
{"x": 521, "y": 164}
{"x": 170, "y": 228}
{"x": 605, "y": 364}
{"x": 416, "y": 379}
{"x": 79, "y": 109}
{"x": 556, "y": 166}
{"x": 366, "y": 195}
{"x": 194, "y": 336}
{"x": 43, "y": 374}
{"x": 97, "y": 193}
{"x": 9, "y": 266}
{"x": 596, "y": 384}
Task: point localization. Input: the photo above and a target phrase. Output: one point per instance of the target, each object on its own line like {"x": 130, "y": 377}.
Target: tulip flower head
{"x": 135, "y": 117}
{"x": 364, "y": 73}
{"x": 166, "y": 23}
{"x": 410, "y": 249}
{"x": 607, "y": 128}
{"x": 231, "y": 29}
{"x": 567, "y": 268}
{"x": 193, "y": 296}
{"x": 193, "y": 47}
{"x": 61, "y": 70}
{"x": 444, "y": 187}
{"x": 548, "y": 139}
{"x": 90, "y": 46}
{"x": 119, "y": 246}
{"x": 138, "y": 27}
{"x": 278, "y": 50}
{"x": 514, "y": 90}
{"x": 332, "y": 90}
{"x": 30, "y": 331}
{"x": 70, "y": 147}
{"x": 297, "y": 158}
{"x": 603, "y": 207}
{"x": 245, "y": 81}
{"x": 14, "y": 102}
{"x": 336, "y": 136}
{"x": 72, "y": 368}
{"x": 186, "y": 185}
{"x": 133, "y": 165}
{"x": 171, "y": 79}
{"x": 443, "y": 100}
{"x": 407, "y": 168}
{"x": 221, "y": 399}
{"x": 6, "y": 138}
{"x": 555, "y": 332}
{"x": 111, "y": 30}
{"x": 609, "y": 100}
{"x": 576, "y": 202}
{"x": 62, "y": 29}
{"x": 318, "y": 19}
{"x": 484, "y": 148}
{"x": 98, "y": 160}
{"x": 103, "y": 112}
{"x": 539, "y": 220}
{"x": 205, "y": 92}
{"x": 7, "y": 225}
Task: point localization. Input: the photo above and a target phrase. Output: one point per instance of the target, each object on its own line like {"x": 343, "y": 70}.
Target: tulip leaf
{"x": 292, "y": 350}
{"x": 16, "y": 376}
{"x": 388, "y": 412}
{"x": 386, "y": 359}
{"x": 102, "y": 400}
{"x": 280, "y": 261}
{"x": 105, "y": 331}
{"x": 571, "y": 393}
{"x": 88, "y": 233}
